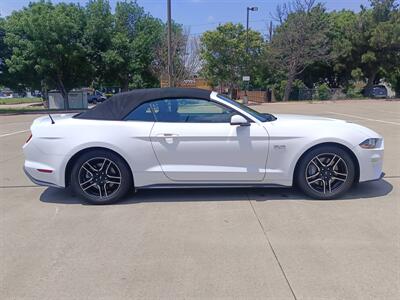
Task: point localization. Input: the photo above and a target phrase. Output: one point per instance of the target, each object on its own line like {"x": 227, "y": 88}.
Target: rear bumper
{"x": 36, "y": 159}
{"x": 38, "y": 181}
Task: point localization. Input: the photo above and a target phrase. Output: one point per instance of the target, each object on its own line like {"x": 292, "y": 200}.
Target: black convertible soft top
{"x": 120, "y": 105}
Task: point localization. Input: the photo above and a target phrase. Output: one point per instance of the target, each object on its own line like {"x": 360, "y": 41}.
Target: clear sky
{"x": 202, "y": 15}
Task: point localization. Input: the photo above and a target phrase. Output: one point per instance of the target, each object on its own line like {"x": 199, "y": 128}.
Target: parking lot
{"x": 204, "y": 244}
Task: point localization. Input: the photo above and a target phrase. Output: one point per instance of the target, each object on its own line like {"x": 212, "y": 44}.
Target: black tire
{"x": 99, "y": 170}
{"x": 326, "y": 172}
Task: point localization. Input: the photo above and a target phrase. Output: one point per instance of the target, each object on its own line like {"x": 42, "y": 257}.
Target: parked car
{"x": 19, "y": 94}
{"x": 376, "y": 91}
{"x": 96, "y": 97}
{"x": 36, "y": 93}
{"x": 191, "y": 138}
{"x": 6, "y": 93}
{"x": 111, "y": 91}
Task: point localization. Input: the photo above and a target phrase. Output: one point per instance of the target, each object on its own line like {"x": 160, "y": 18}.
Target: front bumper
{"x": 371, "y": 163}
{"x": 383, "y": 174}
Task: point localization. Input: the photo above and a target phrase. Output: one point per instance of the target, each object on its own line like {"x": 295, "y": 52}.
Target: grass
{"x": 19, "y": 100}
{"x": 20, "y": 110}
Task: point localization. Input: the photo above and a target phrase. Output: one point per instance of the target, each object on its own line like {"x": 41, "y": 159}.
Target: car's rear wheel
{"x": 100, "y": 177}
{"x": 326, "y": 172}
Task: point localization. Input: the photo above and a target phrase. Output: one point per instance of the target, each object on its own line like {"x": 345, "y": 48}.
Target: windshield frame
{"x": 255, "y": 114}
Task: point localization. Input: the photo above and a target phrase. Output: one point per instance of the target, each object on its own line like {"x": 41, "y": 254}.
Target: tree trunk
{"x": 289, "y": 85}
{"x": 44, "y": 92}
{"x": 125, "y": 84}
{"x": 230, "y": 92}
{"x": 63, "y": 91}
{"x": 371, "y": 78}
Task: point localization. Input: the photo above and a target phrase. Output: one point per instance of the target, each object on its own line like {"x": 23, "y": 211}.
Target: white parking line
{"x": 362, "y": 118}
{"x": 12, "y": 133}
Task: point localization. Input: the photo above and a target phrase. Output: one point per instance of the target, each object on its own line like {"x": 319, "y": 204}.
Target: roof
{"x": 120, "y": 105}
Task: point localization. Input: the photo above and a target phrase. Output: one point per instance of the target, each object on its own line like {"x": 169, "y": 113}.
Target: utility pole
{"x": 270, "y": 31}
{"x": 170, "y": 70}
{"x": 247, "y": 33}
{"x": 253, "y": 8}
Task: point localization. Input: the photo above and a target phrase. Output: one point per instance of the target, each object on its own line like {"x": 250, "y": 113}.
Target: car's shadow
{"x": 361, "y": 191}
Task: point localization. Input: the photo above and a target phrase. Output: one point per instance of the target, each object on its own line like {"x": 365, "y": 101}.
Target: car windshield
{"x": 259, "y": 116}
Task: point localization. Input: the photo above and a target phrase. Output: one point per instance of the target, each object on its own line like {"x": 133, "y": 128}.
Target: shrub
{"x": 279, "y": 89}
{"x": 354, "y": 92}
{"x": 322, "y": 92}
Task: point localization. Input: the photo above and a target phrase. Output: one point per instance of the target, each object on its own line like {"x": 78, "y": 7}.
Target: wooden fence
{"x": 255, "y": 96}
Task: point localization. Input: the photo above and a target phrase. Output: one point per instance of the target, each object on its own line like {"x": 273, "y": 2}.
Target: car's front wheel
{"x": 325, "y": 172}
{"x": 100, "y": 177}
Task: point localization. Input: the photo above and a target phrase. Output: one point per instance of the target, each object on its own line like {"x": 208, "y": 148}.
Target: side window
{"x": 191, "y": 111}
{"x": 141, "y": 113}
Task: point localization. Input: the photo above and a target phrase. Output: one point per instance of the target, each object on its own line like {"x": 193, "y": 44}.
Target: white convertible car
{"x": 171, "y": 138}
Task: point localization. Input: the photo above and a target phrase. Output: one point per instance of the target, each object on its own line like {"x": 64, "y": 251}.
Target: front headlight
{"x": 371, "y": 143}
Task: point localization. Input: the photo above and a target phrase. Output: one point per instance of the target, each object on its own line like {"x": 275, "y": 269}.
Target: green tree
{"x": 98, "y": 34}
{"x": 134, "y": 39}
{"x": 264, "y": 75}
{"x": 338, "y": 71}
{"x": 365, "y": 46}
{"x": 17, "y": 81}
{"x": 377, "y": 43}
{"x": 226, "y": 60}
{"x": 4, "y": 52}
{"x": 300, "y": 40}
{"x": 47, "y": 43}
{"x": 344, "y": 59}
{"x": 393, "y": 77}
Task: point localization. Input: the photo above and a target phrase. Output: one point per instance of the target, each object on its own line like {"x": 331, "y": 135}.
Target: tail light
{"x": 29, "y": 138}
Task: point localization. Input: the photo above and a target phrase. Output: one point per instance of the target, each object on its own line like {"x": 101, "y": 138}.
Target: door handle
{"x": 167, "y": 135}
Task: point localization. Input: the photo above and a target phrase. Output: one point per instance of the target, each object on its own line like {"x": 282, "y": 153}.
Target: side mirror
{"x": 239, "y": 120}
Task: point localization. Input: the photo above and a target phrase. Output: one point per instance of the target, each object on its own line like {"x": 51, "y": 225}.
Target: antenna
{"x": 52, "y": 121}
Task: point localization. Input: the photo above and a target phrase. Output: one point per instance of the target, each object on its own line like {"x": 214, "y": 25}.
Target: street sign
{"x": 246, "y": 78}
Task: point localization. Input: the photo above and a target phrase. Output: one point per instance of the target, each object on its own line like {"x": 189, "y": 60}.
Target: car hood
{"x": 316, "y": 123}
{"x": 289, "y": 117}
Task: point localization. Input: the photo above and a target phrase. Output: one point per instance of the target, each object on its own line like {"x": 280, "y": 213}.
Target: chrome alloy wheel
{"x": 326, "y": 173}
{"x": 99, "y": 177}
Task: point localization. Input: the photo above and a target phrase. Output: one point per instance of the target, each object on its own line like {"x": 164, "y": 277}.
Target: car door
{"x": 193, "y": 140}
